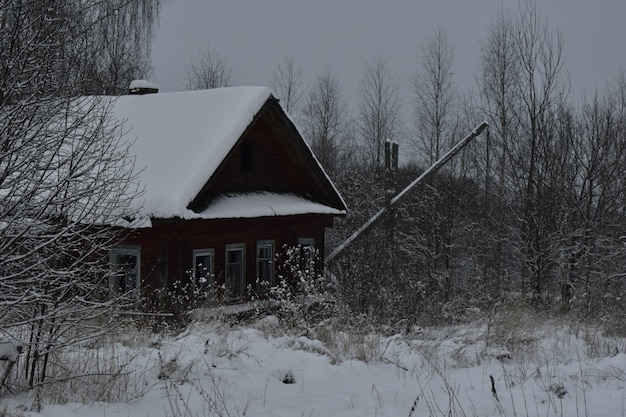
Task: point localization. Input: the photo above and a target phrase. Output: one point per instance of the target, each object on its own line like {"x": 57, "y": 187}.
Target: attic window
{"x": 247, "y": 157}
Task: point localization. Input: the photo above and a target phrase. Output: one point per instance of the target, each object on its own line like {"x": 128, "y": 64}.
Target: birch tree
{"x": 325, "y": 122}
{"x": 118, "y": 49}
{"x": 378, "y": 111}
{"x": 287, "y": 84}
{"x": 498, "y": 103}
{"x": 434, "y": 98}
{"x": 539, "y": 90}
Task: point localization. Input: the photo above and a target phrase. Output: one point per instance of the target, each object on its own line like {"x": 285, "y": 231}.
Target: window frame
{"x": 306, "y": 241}
{"x": 305, "y": 256}
{"x": 230, "y": 290}
{"x": 199, "y": 253}
{"x": 264, "y": 244}
{"x": 114, "y": 277}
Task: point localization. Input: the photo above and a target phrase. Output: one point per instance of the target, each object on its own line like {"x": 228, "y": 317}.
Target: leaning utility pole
{"x": 402, "y": 195}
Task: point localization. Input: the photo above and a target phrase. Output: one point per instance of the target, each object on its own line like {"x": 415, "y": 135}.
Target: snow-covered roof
{"x": 263, "y": 204}
{"x": 180, "y": 139}
{"x": 245, "y": 206}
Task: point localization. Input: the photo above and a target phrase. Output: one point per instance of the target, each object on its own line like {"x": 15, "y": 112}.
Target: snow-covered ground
{"x": 216, "y": 369}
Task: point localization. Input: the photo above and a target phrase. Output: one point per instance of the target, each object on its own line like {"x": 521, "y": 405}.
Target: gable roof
{"x": 180, "y": 141}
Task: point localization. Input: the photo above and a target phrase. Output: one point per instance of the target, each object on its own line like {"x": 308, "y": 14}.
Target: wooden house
{"x": 229, "y": 181}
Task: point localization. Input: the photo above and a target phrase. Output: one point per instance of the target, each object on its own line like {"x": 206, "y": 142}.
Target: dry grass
{"x": 526, "y": 347}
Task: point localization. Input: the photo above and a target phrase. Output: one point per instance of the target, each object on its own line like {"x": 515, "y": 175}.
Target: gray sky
{"x": 255, "y": 35}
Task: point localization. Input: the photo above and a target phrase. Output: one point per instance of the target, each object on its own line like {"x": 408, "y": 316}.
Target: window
{"x": 306, "y": 242}
{"x": 125, "y": 266}
{"x": 235, "y": 255}
{"x": 307, "y": 251}
{"x": 265, "y": 261}
{"x": 247, "y": 157}
{"x": 203, "y": 272}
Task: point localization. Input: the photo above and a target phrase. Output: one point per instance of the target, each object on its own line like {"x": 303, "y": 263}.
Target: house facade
{"x": 229, "y": 182}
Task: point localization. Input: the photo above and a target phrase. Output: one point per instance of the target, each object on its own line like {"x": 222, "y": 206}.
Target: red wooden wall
{"x": 167, "y": 247}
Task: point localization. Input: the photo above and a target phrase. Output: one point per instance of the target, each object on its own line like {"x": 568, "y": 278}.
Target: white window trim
{"x": 203, "y": 252}
{"x": 309, "y": 242}
{"x": 242, "y": 248}
{"x": 259, "y": 244}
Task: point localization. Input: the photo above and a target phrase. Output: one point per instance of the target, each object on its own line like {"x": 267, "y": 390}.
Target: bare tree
{"x": 592, "y": 250}
{"x": 66, "y": 180}
{"x": 24, "y": 28}
{"x": 287, "y": 84}
{"x": 434, "y": 97}
{"x": 553, "y": 190}
{"x": 325, "y": 121}
{"x": 498, "y": 86}
{"x": 378, "y": 110}
{"x": 207, "y": 70}
{"x": 115, "y": 51}
{"x": 119, "y": 47}
{"x": 527, "y": 153}
{"x": 539, "y": 92}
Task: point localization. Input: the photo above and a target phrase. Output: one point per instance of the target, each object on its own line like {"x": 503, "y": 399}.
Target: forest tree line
{"x": 534, "y": 210}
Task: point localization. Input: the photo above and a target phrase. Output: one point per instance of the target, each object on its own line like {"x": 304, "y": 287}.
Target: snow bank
{"x": 216, "y": 369}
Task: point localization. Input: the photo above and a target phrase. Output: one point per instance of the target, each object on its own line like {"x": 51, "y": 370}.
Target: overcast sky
{"x": 254, "y": 35}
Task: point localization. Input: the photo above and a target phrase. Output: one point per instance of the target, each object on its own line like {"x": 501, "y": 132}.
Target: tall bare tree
{"x": 378, "y": 110}
{"x": 498, "y": 103}
{"x": 287, "y": 84}
{"x": 435, "y": 101}
{"x": 325, "y": 121}
{"x": 207, "y": 70}
{"x": 434, "y": 97}
{"x": 539, "y": 91}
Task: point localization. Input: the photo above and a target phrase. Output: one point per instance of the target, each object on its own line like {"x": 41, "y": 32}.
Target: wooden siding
{"x": 273, "y": 169}
{"x": 281, "y": 163}
{"x": 167, "y": 247}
